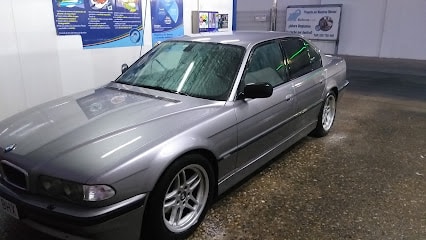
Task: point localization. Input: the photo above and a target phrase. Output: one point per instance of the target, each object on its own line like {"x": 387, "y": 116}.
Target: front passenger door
{"x": 264, "y": 123}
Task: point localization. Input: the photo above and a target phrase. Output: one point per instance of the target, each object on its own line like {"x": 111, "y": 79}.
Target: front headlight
{"x": 74, "y": 191}
{"x": 97, "y": 193}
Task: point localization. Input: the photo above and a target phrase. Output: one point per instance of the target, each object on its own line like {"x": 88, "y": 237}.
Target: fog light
{"x": 51, "y": 185}
{"x": 73, "y": 191}
{"x": 46, "y": 185}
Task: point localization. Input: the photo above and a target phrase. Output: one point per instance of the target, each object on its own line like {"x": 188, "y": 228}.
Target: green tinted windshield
{"x": 205, "y": 70}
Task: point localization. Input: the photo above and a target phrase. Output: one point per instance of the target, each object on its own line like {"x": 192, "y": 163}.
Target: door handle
{"x": 288, "y": 97}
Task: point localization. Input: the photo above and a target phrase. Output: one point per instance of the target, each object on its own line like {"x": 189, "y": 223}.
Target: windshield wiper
{"x": 182, "y": 93}
{"x": 163, "y": 89}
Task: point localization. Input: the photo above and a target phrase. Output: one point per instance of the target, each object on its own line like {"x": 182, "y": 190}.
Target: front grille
{"x": 14, "y": 175}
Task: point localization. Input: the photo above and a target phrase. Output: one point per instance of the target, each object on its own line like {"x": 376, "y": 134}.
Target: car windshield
{"x": 204, "y": 70}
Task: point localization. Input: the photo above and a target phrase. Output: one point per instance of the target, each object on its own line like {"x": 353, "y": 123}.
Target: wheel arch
{"x": 335, "y": 91}
{"x": 209, "y": 156}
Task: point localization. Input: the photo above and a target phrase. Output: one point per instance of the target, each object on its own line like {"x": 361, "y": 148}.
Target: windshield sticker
{"x": 104, "y": 100}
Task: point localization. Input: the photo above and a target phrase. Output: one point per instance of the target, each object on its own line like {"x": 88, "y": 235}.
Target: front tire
{"x": 326, "y": 116}
{"x": 180, "y": 199}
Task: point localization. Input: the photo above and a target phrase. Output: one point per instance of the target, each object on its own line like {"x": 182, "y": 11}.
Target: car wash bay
{"x": 365, "y": 180}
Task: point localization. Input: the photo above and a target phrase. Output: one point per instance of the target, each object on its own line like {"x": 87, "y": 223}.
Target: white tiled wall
{"x": 12, "y": 91}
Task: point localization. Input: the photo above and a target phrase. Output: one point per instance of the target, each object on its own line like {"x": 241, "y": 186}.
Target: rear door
{"x": 305, "y": 72}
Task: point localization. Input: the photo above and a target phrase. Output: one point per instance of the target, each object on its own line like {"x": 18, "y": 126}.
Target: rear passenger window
{"x": 314, "y": 57}
{"x": 298, "y": 57}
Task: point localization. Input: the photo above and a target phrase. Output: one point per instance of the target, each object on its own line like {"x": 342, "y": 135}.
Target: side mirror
{"x": 257, "y": 90}
{"x": 124, "y": 68}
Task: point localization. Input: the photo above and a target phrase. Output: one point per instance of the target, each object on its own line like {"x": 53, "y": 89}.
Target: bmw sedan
{"x": 146, "y": 155}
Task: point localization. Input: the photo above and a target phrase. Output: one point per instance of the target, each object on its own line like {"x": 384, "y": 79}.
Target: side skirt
{"x": 244, "y": 171}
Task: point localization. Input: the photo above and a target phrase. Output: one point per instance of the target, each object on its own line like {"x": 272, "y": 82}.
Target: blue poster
{"x": 167, "y": 19}
{"x": 101, "y": 23}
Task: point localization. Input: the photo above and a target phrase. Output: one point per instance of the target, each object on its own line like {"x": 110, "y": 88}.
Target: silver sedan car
{"x": 145, "y": 155}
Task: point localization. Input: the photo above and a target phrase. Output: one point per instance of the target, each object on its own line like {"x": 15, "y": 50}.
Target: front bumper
{"x": 121, "y": 220}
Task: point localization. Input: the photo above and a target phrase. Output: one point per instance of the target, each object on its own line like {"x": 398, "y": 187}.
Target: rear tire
{"x": 326, "y": 116}
{"x": 180, "y": 199}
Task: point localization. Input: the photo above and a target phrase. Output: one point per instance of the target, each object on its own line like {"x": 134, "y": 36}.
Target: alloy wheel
{"x": 185, "y": 198}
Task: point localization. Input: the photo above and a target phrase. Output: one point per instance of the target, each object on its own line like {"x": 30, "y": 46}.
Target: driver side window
{"x": 266, "y": 65}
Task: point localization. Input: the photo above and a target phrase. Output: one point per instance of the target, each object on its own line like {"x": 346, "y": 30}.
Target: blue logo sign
{"x": 135, "y": 35}
{"x": 293, "y": 16}
{"x": 70, "y": 3}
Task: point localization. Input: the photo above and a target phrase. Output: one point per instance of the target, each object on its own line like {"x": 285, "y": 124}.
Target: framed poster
{"x": 167, "y": 19}
{"x": 222, "y": 22}
{"x": 208, "y": 21}
{"x": 101, "y": 23}
{"x": 316, "y": 22}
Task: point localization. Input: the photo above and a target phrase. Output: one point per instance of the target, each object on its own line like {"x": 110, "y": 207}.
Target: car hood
{"x": 84, "y": 134}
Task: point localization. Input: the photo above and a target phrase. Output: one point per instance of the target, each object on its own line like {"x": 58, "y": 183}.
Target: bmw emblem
{"x": 10, "y": 148}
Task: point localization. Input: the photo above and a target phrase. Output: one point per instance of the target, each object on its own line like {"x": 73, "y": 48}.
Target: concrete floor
{"x": 365, "y": 180}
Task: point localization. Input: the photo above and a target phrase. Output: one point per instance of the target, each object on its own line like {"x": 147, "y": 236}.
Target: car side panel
{"x": 335, "y": 72}
{"x": 309, "y": 90}
{"x": 262, "y": 123}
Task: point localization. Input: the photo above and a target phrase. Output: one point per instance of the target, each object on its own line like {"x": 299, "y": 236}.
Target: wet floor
{"x": 365, "y": 180}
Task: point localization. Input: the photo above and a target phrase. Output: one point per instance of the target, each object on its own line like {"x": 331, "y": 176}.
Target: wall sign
{"x": 167, "y": 19}
{"x": 208, "y": 21}
{"x": 101, "y": 23}
{"x": 222, "y": 22}
{"x": 317, "y": 22}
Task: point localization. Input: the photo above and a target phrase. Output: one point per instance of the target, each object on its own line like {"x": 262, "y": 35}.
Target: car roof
{"x": 239, "y": 38}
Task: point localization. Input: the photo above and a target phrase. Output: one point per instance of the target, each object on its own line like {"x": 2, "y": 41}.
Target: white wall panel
{"x": 106, "y": 63}
{"x": 12, "y": 96}
{"x": 263, "y": 5}
{"x": 75, "y": 65}
{"x": 253, "y": 5}
{"x": 36, "y": 38}
{"x": 404, "y": 33}
{"x": 361, "y": 26}
{"x": 282, "y": 4}
{"x": 188, "y": 7}
{"x": 223, "y": 6}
